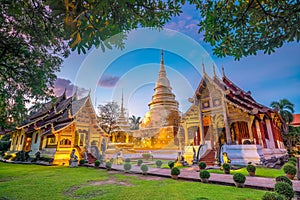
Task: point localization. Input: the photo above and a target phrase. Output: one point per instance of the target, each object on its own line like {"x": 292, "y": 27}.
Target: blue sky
{"x": 135, "y": 69}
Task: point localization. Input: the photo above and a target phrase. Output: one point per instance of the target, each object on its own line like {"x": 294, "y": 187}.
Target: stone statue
{"x": 195, "y": 160}
{"x": 73, "y": 159}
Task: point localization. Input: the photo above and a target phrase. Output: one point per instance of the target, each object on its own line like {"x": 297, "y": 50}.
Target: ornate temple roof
{"x": 53, "y": 116}
{"x": 296, "y": 121}
{"x": 233, "y": 93}
{"x": 122, "y": 123}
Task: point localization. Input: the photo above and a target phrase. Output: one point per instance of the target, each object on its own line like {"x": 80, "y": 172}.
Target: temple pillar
{"x": 257, "y": 126}
{"x": 250, "y": 129}
{"x": 186, "y": 134}
{"x": 237, "y": 133}
{"x": 201, "y": 127}
{"x": 227, "y": 129}
{"x": 270, "y": 134}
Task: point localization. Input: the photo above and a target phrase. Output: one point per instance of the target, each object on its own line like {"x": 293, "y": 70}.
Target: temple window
{"x": 65, "y": 141}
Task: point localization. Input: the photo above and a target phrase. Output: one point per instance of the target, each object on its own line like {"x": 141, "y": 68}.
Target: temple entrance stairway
{"x": 208, "y": 157}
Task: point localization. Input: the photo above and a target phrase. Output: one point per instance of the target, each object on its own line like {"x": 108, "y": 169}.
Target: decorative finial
{"x": 64, "y": 94}
{"x": 203, "y": 68}
{"x": 223, "y": 71}
{"x": 162, "y": 56}
{"x": 122, "y": 107}
{"x": 214, "y": 68}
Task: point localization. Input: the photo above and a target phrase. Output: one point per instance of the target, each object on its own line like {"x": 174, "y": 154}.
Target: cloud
{"x": 108, "y": 81}
{"x": 62, "y": 84}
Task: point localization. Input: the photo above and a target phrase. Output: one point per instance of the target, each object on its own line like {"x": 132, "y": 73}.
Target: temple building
{"x": 160, "y": 124}
{"x": 225, "y": 118}
{"x": 58, "y": 127}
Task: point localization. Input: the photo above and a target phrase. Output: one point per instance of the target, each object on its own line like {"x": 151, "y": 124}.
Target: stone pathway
{"x": 191, "y": 174}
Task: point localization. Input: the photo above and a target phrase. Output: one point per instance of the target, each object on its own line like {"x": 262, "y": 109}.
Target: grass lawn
{"x": 41, "y": 182}
{"x": 260, "y": 171}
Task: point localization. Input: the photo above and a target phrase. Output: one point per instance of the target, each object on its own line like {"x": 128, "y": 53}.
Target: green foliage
{"x": 202, "y": 165}
{"x": 139, "y": 162}
{"x": 81, "y": 162}
{"x": 97, "y": 163}
{"x": 293, "y": 159}
{"x": 127, "y": 160}
{"x": 93, "y": 23}
{"x": 175, "y": 171}
{"x": 204, "y": 174}
{"x": 241, "y": 28}
{"x": 158, "y": 163}
{"x": 108, "y": 115}
{"x": 108, "y": 165}
{"x": 289, "y": 169}
{"x": 239, "y": 178}
{"x": 4, "y": 145}
{"x": 226, "y": 166}
{"x": 284, "y": 179}
{"x": 251, "y": 168}
{"x": 31, "y": 51}
{"x": 272, "y": 196}
{"x": 146, "y": 155}
{"x": 284, "y": 189}
{"x": 144, "y": 168}
{"x": 127, "y": 166}
{"x": 135, "y": 122}
{"x": 171, "y": 164}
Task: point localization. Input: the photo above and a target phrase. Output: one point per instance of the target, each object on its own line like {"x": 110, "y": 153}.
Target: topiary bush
{"x": 284, "y": 179}
{"x": 108, "y": 165}
{"x": 204, "y": 174}
{"x": 251, "y": 168}
{"x": 293, "y": 159}
{"x": 175, "y": 171}
{"x": 144, "y": 168}
{"x": 97, "y": 163}
{"x": 226, "y": 168}
{"x": 81, "y": 162}
{"x": 272, "y": 196}
{"x": 202, "y": 165}
{"x": 127, "y": 166}
{"x": 139, "y": 162}
{"x": 239, "y": 178}
{"x": 127, "y": 160}
{"x": 171, "y": 164}
{"x": 158, "y": 163}
{"x": 289, "y": 169}
{"x": 284, "y": 189}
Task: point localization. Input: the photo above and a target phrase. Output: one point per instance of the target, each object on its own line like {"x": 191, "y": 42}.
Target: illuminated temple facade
{"x": 57, "y": 128}
{"x": 224, "y": 115}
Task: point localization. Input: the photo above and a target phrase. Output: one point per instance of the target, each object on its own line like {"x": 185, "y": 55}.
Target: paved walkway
{"x": 191, "y": 174}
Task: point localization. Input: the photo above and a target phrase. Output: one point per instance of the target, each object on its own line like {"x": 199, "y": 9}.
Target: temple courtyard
{"x": 21, "y": 181}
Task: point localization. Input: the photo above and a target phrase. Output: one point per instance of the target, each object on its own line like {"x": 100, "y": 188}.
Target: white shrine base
{"x": 243, "y": 154}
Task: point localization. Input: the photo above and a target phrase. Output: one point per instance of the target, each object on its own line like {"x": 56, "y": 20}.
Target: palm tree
{"x": 286, "y": 110}
{"x": 135, "y": 122}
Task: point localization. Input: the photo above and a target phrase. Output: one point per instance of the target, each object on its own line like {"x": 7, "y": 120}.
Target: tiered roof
{"x": 52, "y": 117}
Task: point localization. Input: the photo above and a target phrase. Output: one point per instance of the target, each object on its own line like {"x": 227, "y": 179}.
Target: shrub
{"x": 239, "y": 178}
{"x": 204, "y": 174}
{"x": 272, "y": 196}
{"x": 139, "y": 162}
{"x": 158, "y": 163}
{"x": 112, "y": 160}
{"x": 284, "y": 189}
{"x": 81, "y": 162}
{"x": 226, "y": 166}
{"x": 97, "y": 163}
{"x": 284, "y": 179}
{"x": 108, "y": 165}
{"x": 251, "y": 168}
{"x": 171, "y": 164}
{"x": 127, "y": 166}
{"x": 146, "y": 155}
{"x": 202, "y": 165}
{"x": 292, "y": 162}
{"x": 293, "y": 159}
{"x": 289, "y": 169}
{"x": 144, "y": 168}
{"x": 175, "y": 171}
{"x": 127, "y": 160}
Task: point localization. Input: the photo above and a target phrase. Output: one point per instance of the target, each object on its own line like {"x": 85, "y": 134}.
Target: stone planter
{"x": 290, "y": 176}
{"x": 239, "y": 185}
{"x": 175, "y": 177}
{"x": 251, "y": 173}
{"x": 204, "y": 180}
{"x": 226, "y": 171}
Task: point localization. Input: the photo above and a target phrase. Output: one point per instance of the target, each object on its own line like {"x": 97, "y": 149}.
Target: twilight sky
{"x": 135, "y": 69}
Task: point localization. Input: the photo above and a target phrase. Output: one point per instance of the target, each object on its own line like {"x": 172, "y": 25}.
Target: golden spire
{"x": 223, "y": 71}
{"x": 214, "y": 68}
{"x": 203, "y": 68}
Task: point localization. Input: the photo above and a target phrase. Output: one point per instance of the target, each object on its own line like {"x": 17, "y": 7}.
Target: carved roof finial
{"x": 223, "y": 71}
{"x": 214, "y": 68}
{"x": 203, "y": 68}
